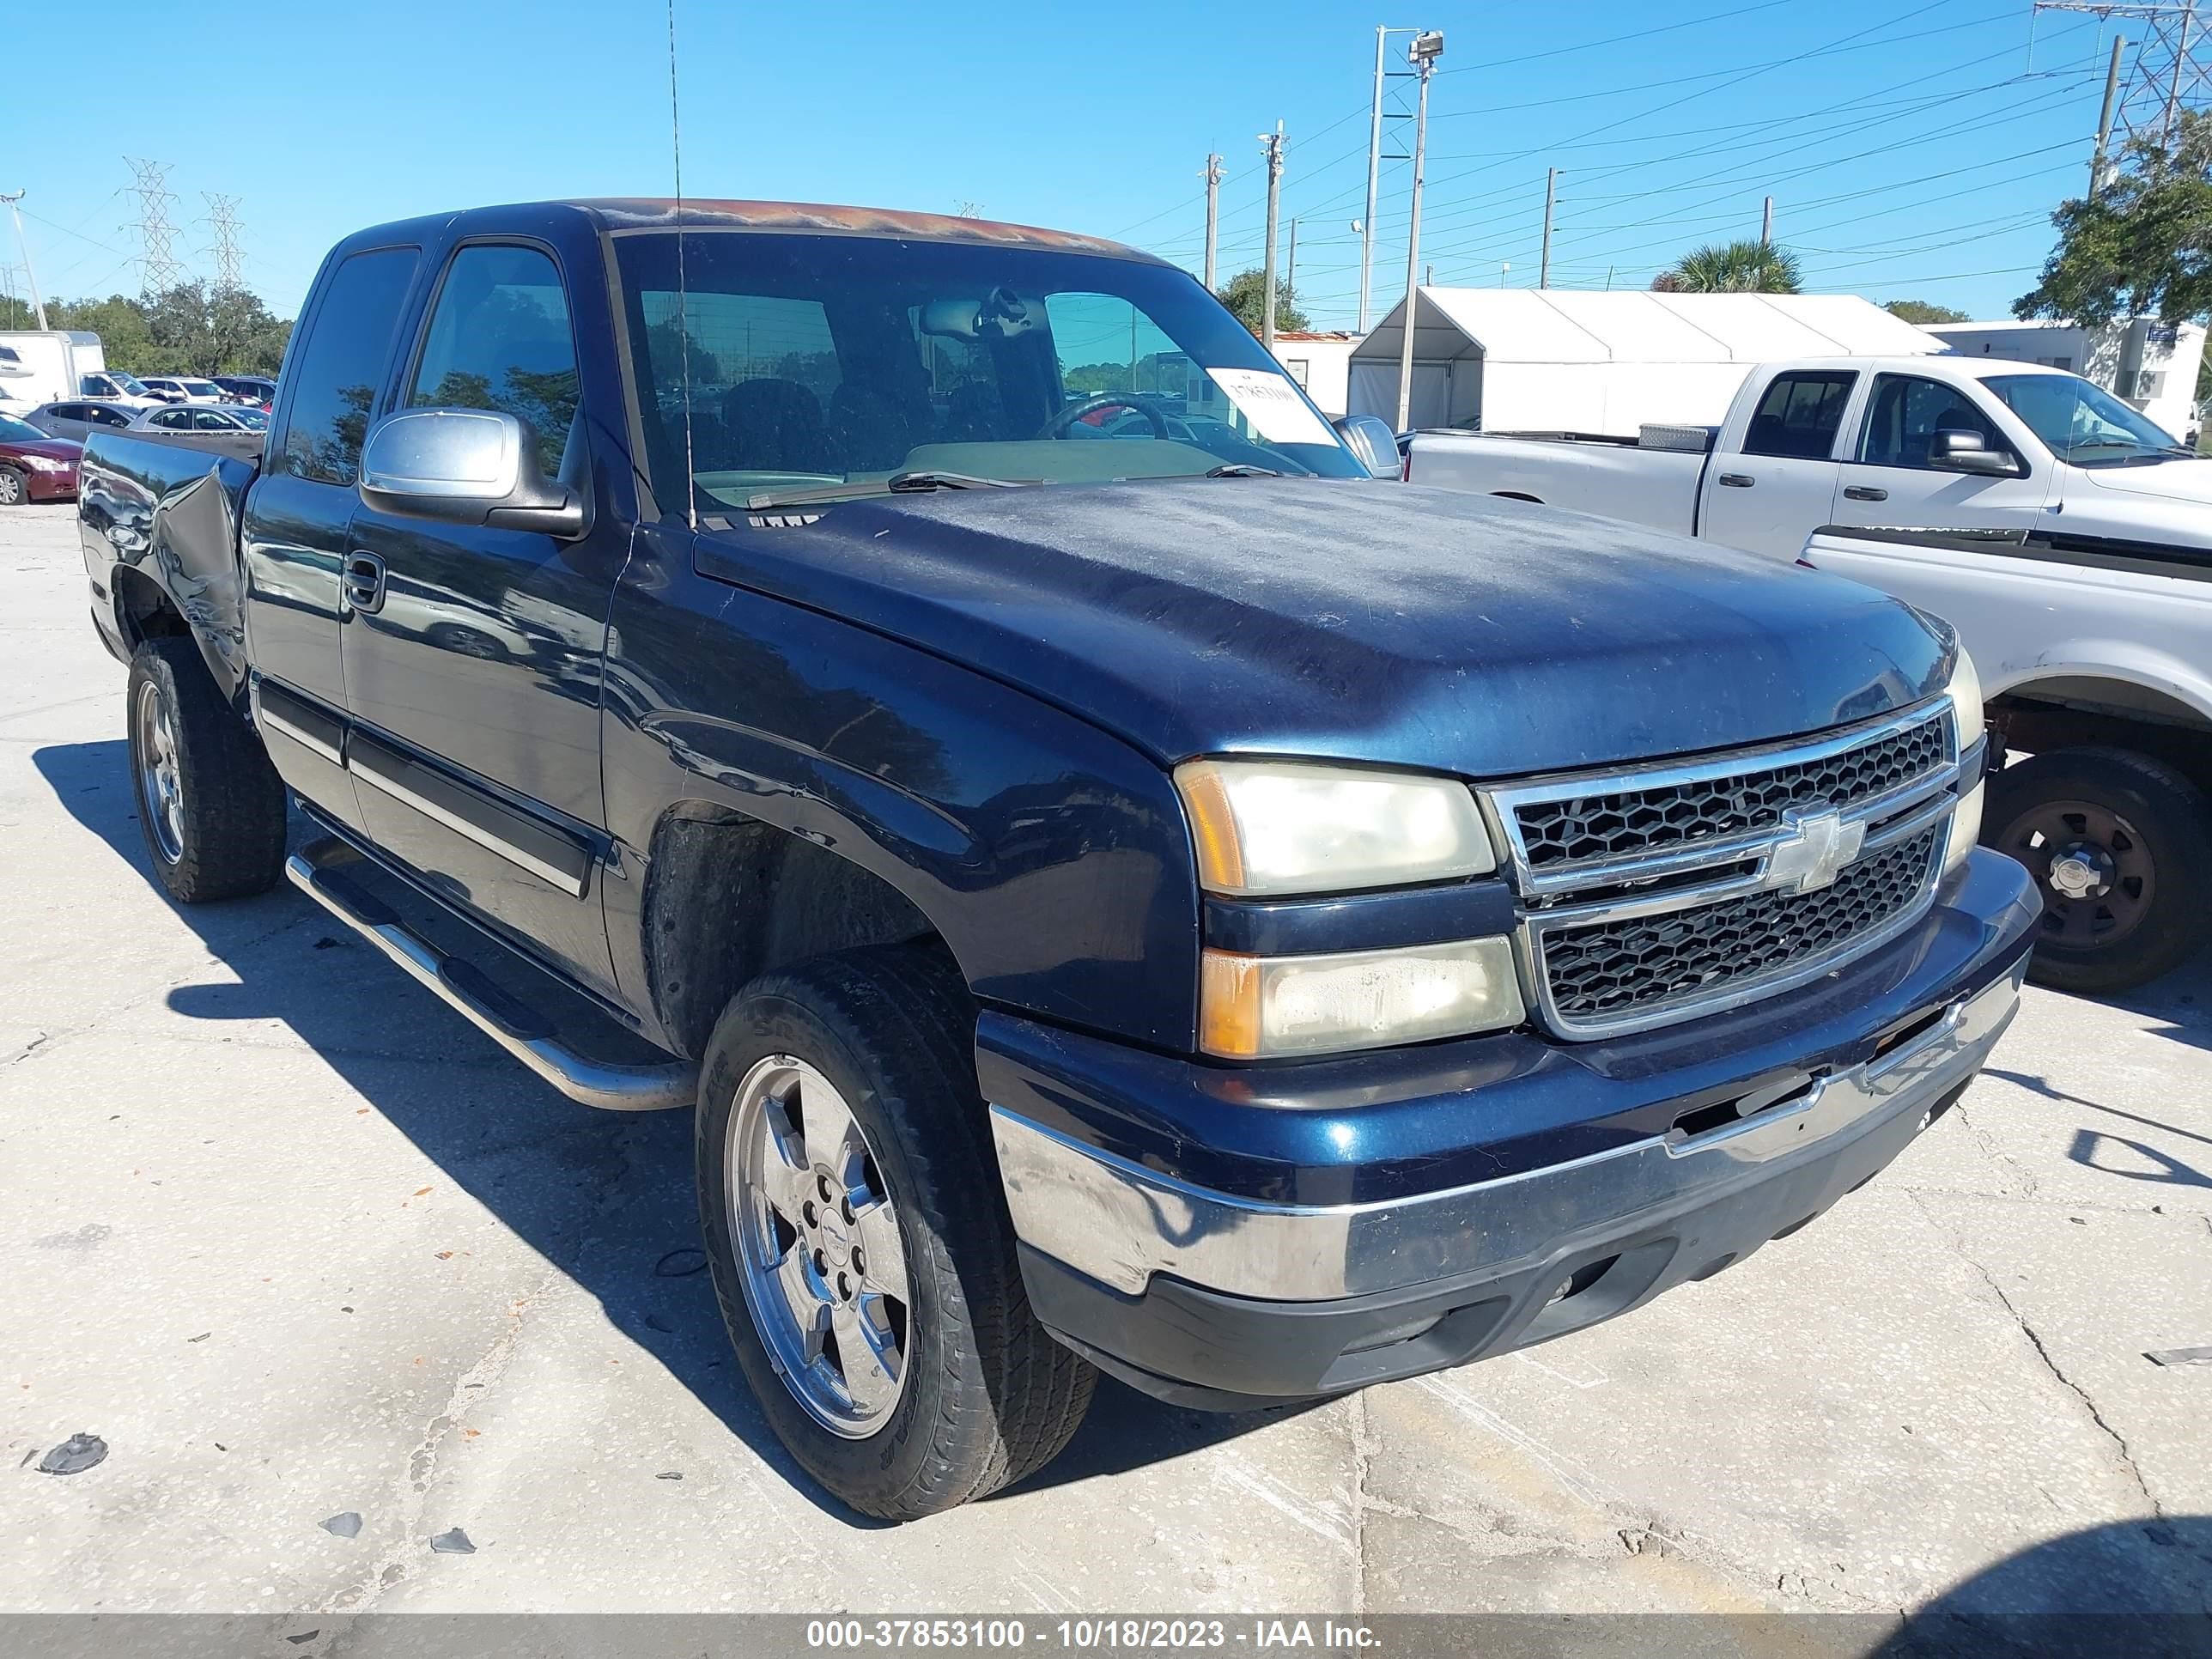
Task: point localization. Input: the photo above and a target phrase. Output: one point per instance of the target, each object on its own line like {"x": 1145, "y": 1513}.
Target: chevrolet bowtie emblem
{"x": 1813, "y": 848}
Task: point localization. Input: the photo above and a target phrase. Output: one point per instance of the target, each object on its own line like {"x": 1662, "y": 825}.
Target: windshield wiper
{"x": 898, "y": 483}
{"x": 1241, "y": 469}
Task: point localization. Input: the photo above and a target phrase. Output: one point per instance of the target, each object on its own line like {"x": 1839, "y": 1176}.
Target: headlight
{"x": 1275, "y": 827}
{"x": 1260, "y": 1007}
{"x": 46, "y": 464}
{"x": 1966, "y": 693}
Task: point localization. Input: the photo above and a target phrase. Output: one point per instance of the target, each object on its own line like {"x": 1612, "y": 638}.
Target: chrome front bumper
{"x": 1119, "y": 1224}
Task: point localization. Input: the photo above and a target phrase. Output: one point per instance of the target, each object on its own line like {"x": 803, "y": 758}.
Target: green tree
{"x": 191, "y": 330}
{"x": 1745, "y": 267}
{"x": 2143, "y": 245}
{"x": 1922, "y": 311}
{"x": 1246, "y": 295}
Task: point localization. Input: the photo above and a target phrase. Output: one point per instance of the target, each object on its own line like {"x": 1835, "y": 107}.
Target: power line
{"x": 229, "y": 256}
{"x": 158, "y": 268}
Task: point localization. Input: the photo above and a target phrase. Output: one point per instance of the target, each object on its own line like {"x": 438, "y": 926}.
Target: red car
{"x": 34, "y": 467}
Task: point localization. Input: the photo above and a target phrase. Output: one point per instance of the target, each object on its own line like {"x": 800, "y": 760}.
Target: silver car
{"x": 80, "y": 417}
{"x": 236, "y": 420}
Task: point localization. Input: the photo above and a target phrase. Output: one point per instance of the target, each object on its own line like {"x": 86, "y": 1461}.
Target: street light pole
{"x": 1427, "y": 48}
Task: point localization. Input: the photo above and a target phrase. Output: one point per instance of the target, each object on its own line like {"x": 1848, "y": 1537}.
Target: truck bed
{"x": 173, "y": 507}
{"x": 1613, "y": 478}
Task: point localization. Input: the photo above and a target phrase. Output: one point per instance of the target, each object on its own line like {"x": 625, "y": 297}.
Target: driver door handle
{"x": 1864, "y": 493}
{"x": 362, "y": 582}
{"x": 1736, "y": 481}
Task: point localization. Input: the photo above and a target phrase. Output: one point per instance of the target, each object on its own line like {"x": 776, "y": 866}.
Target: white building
{"x": 1321, "y": 363}
{"x": 1557, "y": 360}
{"x": 2149, "y": 364}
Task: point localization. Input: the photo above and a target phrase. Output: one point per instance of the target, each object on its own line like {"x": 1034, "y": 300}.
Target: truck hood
{"x": 1376, "y": 622}
{"x": 2173, "y": 481}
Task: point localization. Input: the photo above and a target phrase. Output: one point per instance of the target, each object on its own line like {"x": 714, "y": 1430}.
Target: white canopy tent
{"x": 1556, "y": 359}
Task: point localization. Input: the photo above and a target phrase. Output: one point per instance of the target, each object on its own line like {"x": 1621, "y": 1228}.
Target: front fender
{"x": 1051, "y": 856}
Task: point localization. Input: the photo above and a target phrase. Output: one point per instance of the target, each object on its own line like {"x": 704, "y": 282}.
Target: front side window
{"x": 499, "y": 338}
{"x": 175, "y": 419}
{"x": 335, "y": 386}
{"x": 108, "y": 416}
{"x": 829, "y": 365}
{"x": 2084, "y": 424}
{"x": 1799, "y": 415}
{"x": 1906, "y": 412}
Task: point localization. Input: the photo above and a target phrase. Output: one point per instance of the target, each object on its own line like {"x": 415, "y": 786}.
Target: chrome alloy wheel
{"x": 818, "y": 1247}
{"x": 161, "y": 785}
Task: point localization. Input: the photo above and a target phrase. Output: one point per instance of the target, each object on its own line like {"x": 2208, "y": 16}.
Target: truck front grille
{"x": 1656, "y": 893}
{"x": 1626, "y": 822}
{"x": 1649, "y": 963}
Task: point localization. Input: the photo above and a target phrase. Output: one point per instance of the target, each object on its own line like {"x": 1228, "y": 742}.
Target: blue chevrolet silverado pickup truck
{"x": 1121, "y": 890}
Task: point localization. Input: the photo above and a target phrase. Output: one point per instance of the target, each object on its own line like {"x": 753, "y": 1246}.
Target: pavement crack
{"x": 2049, "y": 1361}
{"x": 1363, "y": 1452}
{"x": 1990, "y": 1148}
{"x": 412, "y": 1488}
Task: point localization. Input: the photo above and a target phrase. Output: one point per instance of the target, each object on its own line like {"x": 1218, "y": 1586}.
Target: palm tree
{"x": 1744, "y": 267}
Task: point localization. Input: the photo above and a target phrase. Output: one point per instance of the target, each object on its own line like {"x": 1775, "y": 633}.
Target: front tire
{"x": 14, "y": 488}
{"x": 210, "y": 803}
{"x": 2121, "y": 846}
{"x": 860, "y": 1245}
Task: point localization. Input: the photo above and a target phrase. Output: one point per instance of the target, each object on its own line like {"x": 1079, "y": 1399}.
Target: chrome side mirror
{"x": 475, "y": 467}
{"x": 1369, "y": 438}
{"x": 1957, "y": 450}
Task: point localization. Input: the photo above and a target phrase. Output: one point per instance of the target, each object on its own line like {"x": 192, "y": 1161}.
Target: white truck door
{"x": 1887, "y": 481}
{"x": 1768, "y": 494}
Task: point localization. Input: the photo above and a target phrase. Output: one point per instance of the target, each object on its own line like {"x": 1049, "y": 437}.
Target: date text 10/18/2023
{"x": 1086, "y": 1635}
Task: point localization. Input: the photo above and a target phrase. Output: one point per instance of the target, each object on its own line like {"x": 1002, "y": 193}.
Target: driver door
{"x": 1888, "y": 483}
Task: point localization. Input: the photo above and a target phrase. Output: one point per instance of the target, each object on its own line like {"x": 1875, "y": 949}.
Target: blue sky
{"x": 1914, "y": 149}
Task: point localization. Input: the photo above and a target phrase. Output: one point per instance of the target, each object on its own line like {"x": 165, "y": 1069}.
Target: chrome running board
{"x": 510, "y": 1024}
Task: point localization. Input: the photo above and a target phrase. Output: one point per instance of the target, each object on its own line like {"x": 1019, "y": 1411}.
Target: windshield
{"x": 2083, "y": 423}
{"x": 20, "y": 431}
{"x": 818, "y": 363}
{"x": 131, "y": 384}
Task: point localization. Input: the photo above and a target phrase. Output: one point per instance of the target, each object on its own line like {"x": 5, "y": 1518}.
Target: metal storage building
{"x": 1557, "y": 360}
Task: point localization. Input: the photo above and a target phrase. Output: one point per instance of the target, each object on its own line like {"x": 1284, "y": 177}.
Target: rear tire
{"x": 982, "y": 1396}
{"x": 211, "y": 805}
{"x": 2121, "y": 846}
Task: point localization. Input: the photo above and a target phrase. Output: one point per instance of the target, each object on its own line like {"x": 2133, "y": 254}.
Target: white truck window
{"x": 1798, "y": 413}
{"x": 1906, "y": 412}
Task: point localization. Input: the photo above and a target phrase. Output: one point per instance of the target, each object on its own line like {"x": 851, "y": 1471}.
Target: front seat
{"x": 774, "y": 426}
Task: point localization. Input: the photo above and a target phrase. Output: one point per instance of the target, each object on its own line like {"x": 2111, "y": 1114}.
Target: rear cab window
{"x": 341, "y": 366}
{"x": 1800, "y": 414}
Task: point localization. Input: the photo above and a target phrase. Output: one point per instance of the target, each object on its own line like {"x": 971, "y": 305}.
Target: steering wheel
{"x": 1057, "y": 425}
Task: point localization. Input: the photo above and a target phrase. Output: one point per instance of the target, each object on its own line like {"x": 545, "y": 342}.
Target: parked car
{"x": 248, "y": 389}
{"x": 1249, "y": 929}
{"x": 2066, "y": 535}
{"x": 35, "y": 465}
{"x": 75, "y": 421}
{"x": 112, "y": 387}
{"x": 202, "y": 417}
{"x": 184, "y": 389}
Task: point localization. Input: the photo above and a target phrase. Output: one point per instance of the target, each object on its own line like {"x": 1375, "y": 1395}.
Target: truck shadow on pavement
{"x": 606, "y": 1198}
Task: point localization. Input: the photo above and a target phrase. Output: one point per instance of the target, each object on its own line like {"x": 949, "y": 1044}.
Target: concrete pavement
{"x": 295, "y": 1240}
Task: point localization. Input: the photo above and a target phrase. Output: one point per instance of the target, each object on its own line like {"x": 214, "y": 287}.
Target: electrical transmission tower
{"x": 2173, "y": 67}
{"x": 158, "y": 268}
{"x": 229, "y": 256}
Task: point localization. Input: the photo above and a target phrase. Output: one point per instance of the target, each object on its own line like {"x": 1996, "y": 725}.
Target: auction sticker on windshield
{"x": 1273, "y": 405}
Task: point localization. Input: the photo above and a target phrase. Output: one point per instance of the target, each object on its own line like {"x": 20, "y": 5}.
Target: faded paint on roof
{"x": 707, "y": 214}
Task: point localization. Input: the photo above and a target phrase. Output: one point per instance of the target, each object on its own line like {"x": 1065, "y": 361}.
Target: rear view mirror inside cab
{"x": 999, "y": 315}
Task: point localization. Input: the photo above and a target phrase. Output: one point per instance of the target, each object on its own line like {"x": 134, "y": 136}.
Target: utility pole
{"x": 158, "y": 270}
{"x": 2172, "y": 71}
{"x": 1551, "y": 199}
{"x": 1212, "y": 214}
{"x": 1426, "y": 48}
{"x": 1766, "y": 224}
{"x": 1274, "y": 141}
{"x": 2104, "y": 118}
{"x": 15, "y": 210}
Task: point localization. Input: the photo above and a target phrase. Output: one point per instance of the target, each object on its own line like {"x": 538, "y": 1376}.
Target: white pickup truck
{"x": 2067, "y": 537}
